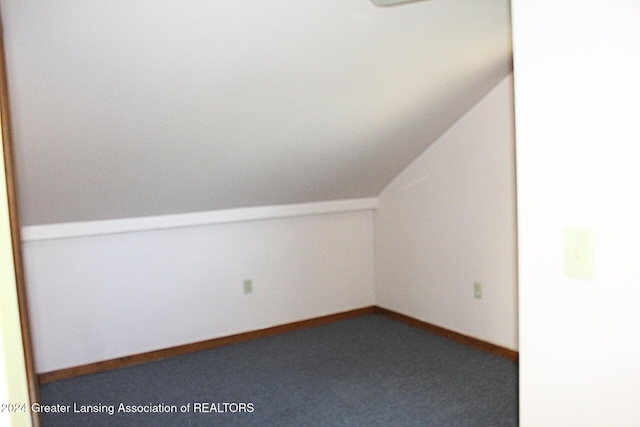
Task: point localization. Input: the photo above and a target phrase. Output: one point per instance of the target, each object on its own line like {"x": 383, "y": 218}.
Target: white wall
{"x": 100, "y": 297}
{"x": 577, "y": 95}
{"x": 445, "y": 222}
{"x": 449, "y": 220}
{"x": 123, "y": 109}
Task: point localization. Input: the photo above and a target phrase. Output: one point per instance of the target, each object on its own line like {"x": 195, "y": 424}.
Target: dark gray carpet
{"x": 369, "y": 371}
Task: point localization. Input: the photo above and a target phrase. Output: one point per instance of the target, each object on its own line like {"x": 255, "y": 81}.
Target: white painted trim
{"x": 129, "y": 225}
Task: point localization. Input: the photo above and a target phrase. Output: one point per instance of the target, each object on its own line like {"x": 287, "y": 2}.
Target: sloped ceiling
{"x": 126, "y": 108}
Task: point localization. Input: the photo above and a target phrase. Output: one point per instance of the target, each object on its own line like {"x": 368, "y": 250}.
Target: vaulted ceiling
{"x": 128, "y": 108}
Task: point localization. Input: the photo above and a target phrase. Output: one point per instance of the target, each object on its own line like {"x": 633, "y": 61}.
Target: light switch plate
{"x": 578, "y": 253}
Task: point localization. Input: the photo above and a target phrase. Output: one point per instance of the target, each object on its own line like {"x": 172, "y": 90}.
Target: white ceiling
{"x": 127, "y": 108}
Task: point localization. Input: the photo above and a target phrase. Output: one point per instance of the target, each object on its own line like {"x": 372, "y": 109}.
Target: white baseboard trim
{"x": 129, "y": 225}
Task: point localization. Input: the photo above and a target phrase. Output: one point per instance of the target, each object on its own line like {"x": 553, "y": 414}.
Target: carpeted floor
{"x": 368, "y": 371}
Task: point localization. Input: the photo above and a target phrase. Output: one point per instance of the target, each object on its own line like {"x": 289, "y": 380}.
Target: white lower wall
{"x": 449, "y": 220}
{"x": 100, "y": 297}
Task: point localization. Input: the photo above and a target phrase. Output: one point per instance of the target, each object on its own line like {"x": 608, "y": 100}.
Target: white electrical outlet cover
{"x": 248, "y": 286}
{"x": 477, "y": 290}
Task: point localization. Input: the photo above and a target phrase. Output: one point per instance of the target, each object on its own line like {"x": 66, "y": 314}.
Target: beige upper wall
{"x": 125, "y": 109}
